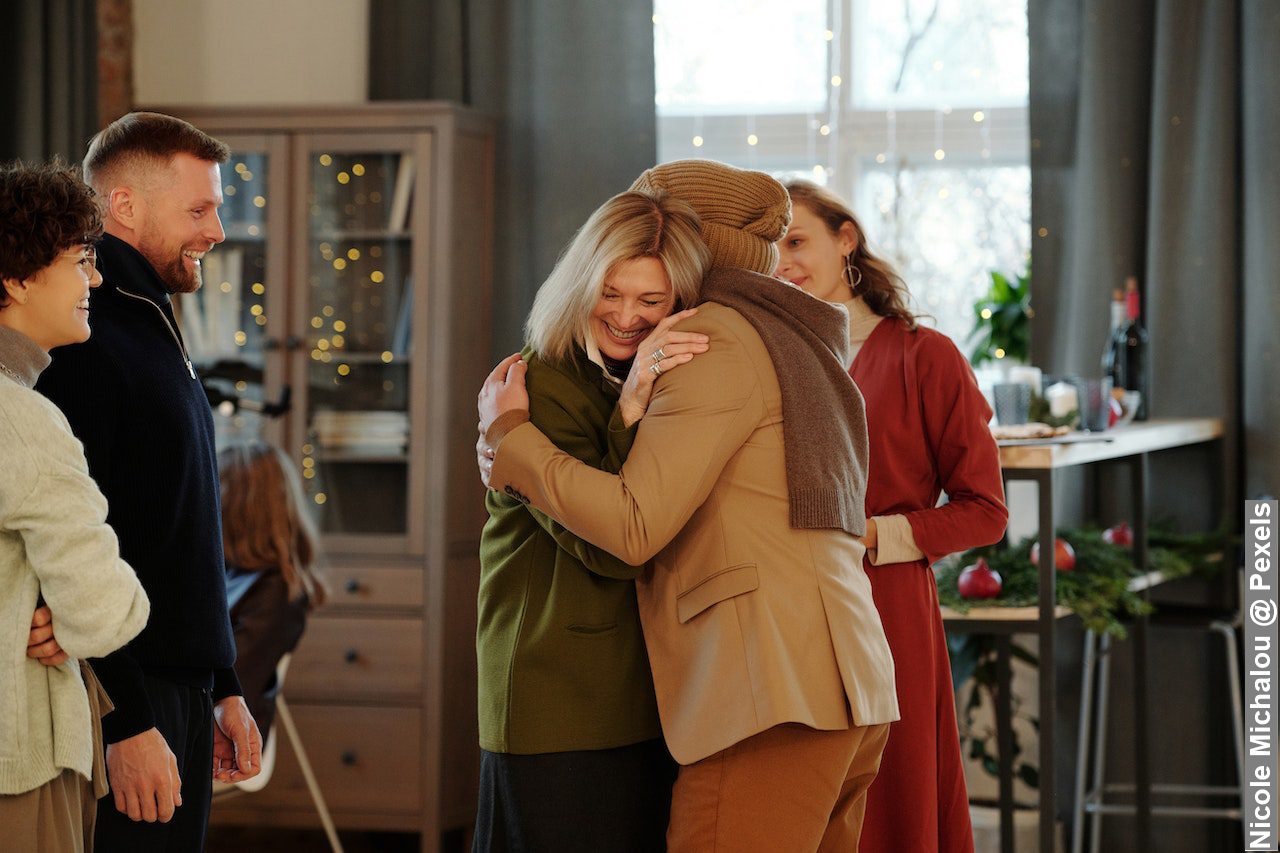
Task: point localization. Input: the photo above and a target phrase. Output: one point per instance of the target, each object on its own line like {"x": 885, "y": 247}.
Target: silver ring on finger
{"x": 658, "y": 355}
{"x": 655, "y": 369}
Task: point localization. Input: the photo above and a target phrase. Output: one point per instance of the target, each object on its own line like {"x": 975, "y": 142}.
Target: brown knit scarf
{"x": 824, "y": 421}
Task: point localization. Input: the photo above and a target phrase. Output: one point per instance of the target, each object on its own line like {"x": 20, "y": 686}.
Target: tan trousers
{"x": 790, "y": 789}
{"x": 59, "y": 816}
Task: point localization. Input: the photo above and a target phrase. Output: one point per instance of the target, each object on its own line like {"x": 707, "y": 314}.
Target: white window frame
{"x": 790, "y": 142}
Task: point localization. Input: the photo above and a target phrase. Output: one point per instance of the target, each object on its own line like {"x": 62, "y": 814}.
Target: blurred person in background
{"x": 270, "y": 546}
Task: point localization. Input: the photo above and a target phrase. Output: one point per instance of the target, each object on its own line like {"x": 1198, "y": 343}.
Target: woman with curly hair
{"x": 927, "y": 427}
{"x": 58, "y": 557}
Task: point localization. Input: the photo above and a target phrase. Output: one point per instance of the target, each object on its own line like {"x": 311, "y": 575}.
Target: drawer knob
{"x": 353, "y": 586}
{"x": 351, "y": 656}
{"x": 348, "y": 758}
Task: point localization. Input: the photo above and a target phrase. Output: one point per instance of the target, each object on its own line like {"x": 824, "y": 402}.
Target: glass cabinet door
{"x": 233, "y": 325}
{"x": 354, "y": 318}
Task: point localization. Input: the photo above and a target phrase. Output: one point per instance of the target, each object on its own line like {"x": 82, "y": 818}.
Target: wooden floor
{"x": 235, "y": 839}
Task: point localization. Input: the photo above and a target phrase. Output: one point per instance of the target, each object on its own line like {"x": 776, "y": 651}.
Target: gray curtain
{"x": 1153, "y": 127}
{"x": 572, "y": 83}
{"x": 48, "y": 78}
{"x": 1153, "y": 124}
{"x": 1260, "y": 263}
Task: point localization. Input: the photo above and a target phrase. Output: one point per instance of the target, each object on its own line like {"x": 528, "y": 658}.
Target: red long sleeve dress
{"x": 927, "y": 422}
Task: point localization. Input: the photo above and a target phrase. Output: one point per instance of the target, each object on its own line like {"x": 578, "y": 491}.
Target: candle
{"x": 1062, "y": 399}
{"x": 1026, "y": 375}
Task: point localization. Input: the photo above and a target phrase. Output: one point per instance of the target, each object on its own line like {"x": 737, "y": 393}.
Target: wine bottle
{"x": 1118, "y": 319}
{"x": 1130, "y": 347}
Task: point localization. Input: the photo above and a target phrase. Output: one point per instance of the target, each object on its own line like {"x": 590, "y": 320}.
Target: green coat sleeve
{"x": 619, "y": 441}
{"x": 568, "y": 427}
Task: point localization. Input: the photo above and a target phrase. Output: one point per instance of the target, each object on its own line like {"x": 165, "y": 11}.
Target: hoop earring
{"x": 848, "y": 273}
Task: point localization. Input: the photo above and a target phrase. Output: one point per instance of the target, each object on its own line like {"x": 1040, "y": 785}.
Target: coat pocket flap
{"x": 726, "y": 583}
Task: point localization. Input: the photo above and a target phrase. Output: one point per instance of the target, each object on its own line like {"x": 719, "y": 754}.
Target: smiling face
{"x": 811, "y": 257}
{"x": 635, "y": 298}
{"x": 52, "y": 307}
{"x": 178, "y": 221}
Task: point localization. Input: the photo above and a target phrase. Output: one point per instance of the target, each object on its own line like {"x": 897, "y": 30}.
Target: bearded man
{"x": 133, "y": 398}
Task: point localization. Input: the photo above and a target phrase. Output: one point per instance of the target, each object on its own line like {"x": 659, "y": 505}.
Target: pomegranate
{"x": 980, "y": 581}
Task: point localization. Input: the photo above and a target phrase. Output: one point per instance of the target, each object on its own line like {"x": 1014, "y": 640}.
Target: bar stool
{"x": 1091, "y": 797}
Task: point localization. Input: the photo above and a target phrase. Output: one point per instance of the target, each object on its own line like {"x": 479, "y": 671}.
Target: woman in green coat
{"x": 572, "y": 752}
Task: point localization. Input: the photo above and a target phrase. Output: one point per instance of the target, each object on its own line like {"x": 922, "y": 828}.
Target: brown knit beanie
{"x": 743, "y": 213}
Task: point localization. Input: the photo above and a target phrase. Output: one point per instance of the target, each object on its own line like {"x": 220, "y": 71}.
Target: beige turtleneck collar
{"x": 895, "y": 540}
{"x": 862, "y": 322}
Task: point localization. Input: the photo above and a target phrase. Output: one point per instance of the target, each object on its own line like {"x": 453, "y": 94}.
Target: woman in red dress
{"x": 927, "y": 423}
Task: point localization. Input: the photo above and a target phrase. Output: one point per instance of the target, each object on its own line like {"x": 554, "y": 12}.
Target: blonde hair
{"x": 881, "y": 287}
{"x": 264, "y": 524}
{"x": 628, "y": 226}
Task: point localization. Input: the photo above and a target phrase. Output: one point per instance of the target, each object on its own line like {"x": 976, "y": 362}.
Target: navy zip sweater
{"x": 133, "y": 399}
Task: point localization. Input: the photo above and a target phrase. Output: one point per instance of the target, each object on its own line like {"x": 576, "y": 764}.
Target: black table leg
{"x": 1141, "y": 739}
{"x": 1004, "y": 737}
{"x": 1048, "y": 671}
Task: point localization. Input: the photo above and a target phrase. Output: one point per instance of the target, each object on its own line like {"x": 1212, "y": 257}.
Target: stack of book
{"x": 361, "y": 433}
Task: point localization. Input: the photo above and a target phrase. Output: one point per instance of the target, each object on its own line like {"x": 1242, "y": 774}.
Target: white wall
{"x": 249, "y": 52}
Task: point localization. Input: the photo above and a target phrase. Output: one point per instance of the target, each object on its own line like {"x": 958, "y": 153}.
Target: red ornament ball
{"x": 1121, "y": 535}
{"x": 1064, "y": 556}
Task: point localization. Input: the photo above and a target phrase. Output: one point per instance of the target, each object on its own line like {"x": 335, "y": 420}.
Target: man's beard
{"x": 176, "y": 277}
{"x": 171, "y": 269}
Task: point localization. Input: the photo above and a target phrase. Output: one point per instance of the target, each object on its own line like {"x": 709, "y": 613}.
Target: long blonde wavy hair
{"x": 628, "y": 226}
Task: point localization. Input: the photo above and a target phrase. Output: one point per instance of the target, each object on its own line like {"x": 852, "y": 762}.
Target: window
{"x": 915, "y": 111}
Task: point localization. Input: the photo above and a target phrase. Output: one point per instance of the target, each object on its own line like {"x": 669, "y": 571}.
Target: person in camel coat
{"x": 744, "y": 488}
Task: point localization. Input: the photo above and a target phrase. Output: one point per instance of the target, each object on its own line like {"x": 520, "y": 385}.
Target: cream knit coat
{"x": 54, "y": 541}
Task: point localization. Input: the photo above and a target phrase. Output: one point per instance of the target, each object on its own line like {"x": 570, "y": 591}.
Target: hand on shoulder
{"x": 663, "y": 350}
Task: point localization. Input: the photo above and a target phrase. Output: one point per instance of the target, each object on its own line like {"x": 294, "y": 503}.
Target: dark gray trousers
{"x": 598, "y": 801}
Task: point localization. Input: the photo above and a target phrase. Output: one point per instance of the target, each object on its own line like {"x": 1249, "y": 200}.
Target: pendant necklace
{"x": 14, "y": 376}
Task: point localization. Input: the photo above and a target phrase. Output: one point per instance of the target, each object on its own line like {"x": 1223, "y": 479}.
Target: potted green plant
{"x": 1002, "y": 321}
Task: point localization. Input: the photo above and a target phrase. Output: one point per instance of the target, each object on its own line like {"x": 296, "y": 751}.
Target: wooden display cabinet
{"x": 357, "y": 271}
